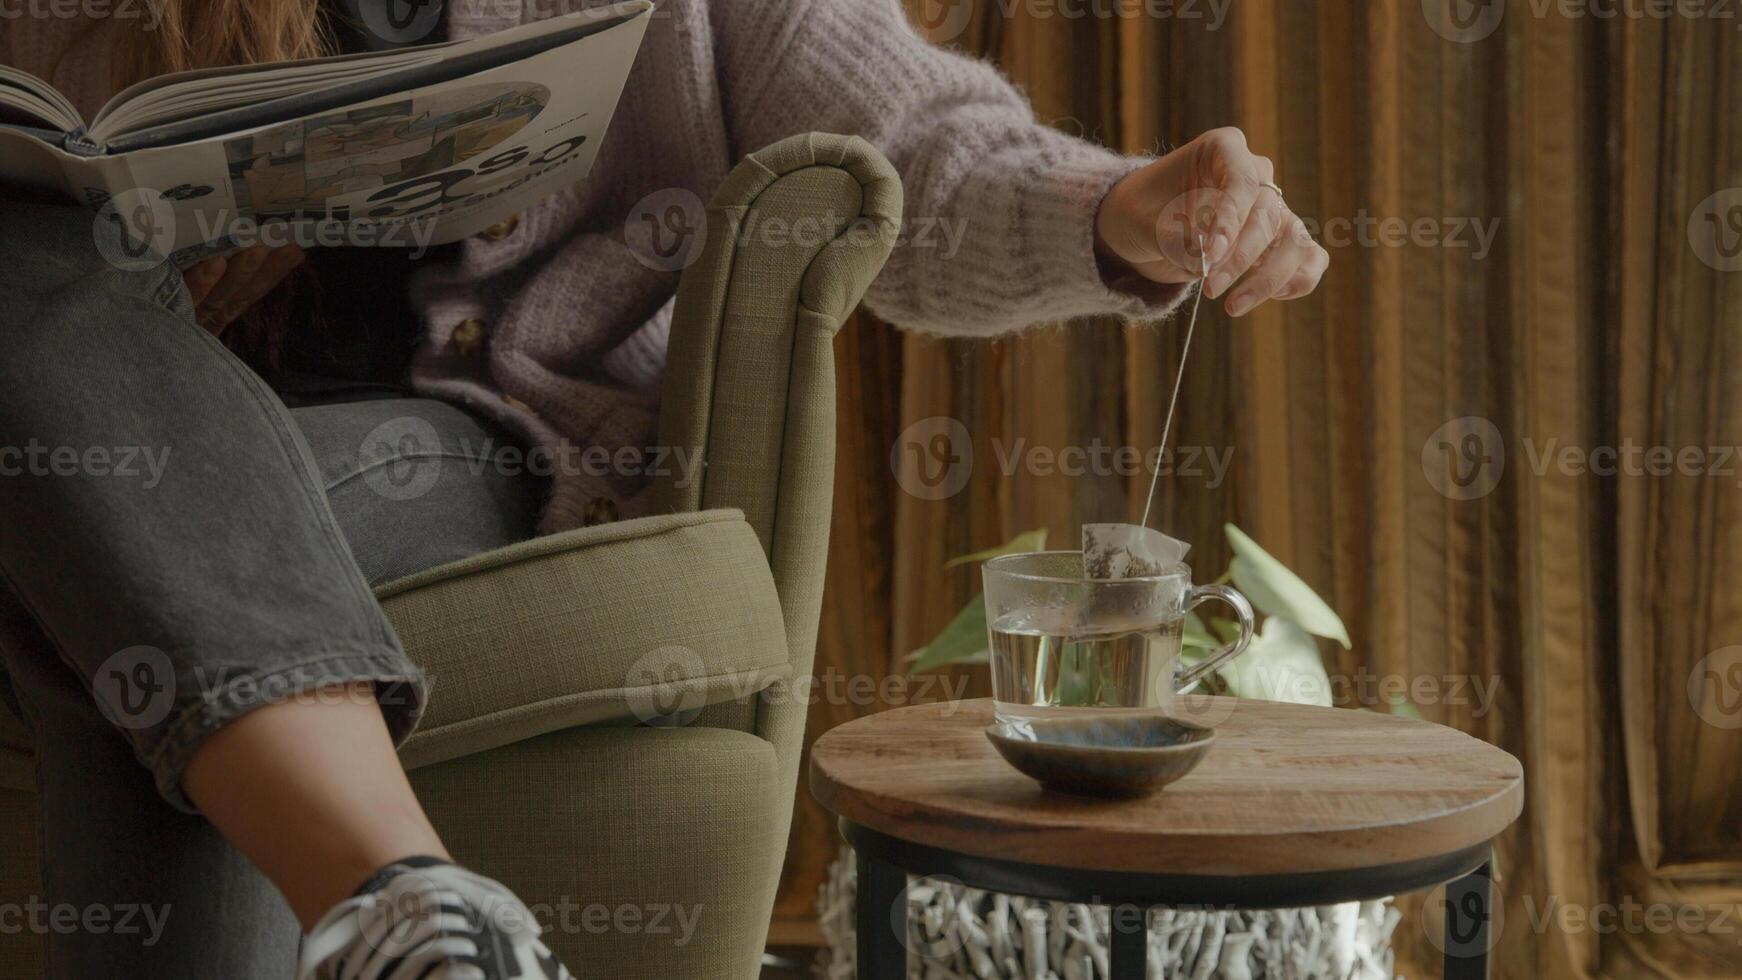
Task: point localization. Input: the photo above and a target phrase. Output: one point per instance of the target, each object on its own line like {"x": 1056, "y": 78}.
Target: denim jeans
{"x": 180, "y": 544}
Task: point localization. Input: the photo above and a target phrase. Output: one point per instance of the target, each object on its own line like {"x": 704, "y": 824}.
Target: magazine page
{"x": 408, "y": 170}
{"x": 28, "y": 100}
{"x": 312, "y": 87}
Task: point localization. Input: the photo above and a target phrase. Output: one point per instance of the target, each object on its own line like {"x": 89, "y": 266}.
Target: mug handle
{"x": 1242, "y": 611}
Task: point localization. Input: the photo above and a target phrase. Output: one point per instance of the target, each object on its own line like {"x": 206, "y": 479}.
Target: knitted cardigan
{"x": 998, "y": 229}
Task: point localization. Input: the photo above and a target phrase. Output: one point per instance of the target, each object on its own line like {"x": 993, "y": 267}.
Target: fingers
{"x": 1238, "y": 175}
{"x": 239, "y": 269}
{"x": 1264, "y": 225}
{"x": 1308, "y": 276}
{"x": 1292, "y": 267}
{"x": 202, "y": 276}
{"x": 248, "y": 276}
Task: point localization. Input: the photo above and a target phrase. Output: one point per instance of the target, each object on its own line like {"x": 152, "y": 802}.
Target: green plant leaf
{"x": 961, "y": 642}
{"x": 1282, "y": 664}
{"x": 1034, "y": 540}
{"x": 964, "y": 640}
{"x": 1400, "y": 706}
{"x": 1196, "y": 636}
{"x": 1077, "y": 677}
{"x": 1225, "y": 630}
{"x": 1190, "y": 657}
{"x": 1276, "y": 591}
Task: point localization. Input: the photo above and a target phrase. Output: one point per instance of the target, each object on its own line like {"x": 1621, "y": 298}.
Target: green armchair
{"x": 633, "y": 680}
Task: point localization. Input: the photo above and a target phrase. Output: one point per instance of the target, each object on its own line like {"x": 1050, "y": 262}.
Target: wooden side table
{"x": 1295, "y": 805}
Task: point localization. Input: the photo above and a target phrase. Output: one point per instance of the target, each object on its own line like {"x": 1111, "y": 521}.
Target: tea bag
{"x": 1129, "y": 551}
{"x": 1114, "y": 551}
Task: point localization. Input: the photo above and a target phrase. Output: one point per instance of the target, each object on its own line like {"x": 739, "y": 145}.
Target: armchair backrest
{"x": 794, "y": 237}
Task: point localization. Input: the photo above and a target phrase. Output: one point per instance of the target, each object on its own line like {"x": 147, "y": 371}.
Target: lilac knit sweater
{"x": 574, "y": 325}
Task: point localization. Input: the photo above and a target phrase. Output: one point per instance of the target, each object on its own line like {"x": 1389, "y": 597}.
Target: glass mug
{"x": 1063, "y": 644}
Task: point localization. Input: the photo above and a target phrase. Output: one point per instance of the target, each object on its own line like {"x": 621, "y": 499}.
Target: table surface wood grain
{"x": 1286, "y": 789}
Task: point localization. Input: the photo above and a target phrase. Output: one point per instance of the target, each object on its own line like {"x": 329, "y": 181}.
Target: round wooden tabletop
{"x": 1286, "y": 789}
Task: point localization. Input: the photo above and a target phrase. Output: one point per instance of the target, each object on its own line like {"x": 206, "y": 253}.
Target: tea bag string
{"x": 1167, "y": 426}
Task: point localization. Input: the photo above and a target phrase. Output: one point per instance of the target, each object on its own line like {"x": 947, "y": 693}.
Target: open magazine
{"x": 410, "y": 147}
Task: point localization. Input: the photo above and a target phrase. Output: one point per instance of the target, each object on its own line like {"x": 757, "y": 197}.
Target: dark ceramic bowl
{"x": 1123, "y": 757}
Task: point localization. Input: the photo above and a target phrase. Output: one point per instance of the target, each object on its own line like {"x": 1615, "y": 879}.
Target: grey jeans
{"x": 178, "y": 546}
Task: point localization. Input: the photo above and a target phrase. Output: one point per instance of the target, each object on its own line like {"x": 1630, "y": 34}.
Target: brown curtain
{"x": 1427, "y": 440}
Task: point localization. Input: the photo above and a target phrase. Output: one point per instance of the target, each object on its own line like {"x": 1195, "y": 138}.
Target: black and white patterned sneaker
{"x": 427, "y": 919}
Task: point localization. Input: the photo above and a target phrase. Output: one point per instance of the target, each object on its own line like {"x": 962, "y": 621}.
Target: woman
{"x": 262, "y": 798}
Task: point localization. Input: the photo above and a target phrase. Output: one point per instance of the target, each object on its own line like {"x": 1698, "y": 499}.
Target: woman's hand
{"x": 1214, "y": 187}
{"x": 224, "y": 287}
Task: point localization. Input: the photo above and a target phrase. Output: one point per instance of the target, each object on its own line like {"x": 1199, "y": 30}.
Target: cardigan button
{"x": 468, "y": 338}
{"x": 517, "y": 404}
{"x": 502, "y": 229}
{"x": 599, "y": 510}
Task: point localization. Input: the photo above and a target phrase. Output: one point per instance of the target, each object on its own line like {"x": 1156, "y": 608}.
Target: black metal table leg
{"x": 1129, "y": 957}
{"x": 1467, "y": 918}
{"x": 882, "y": 953}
